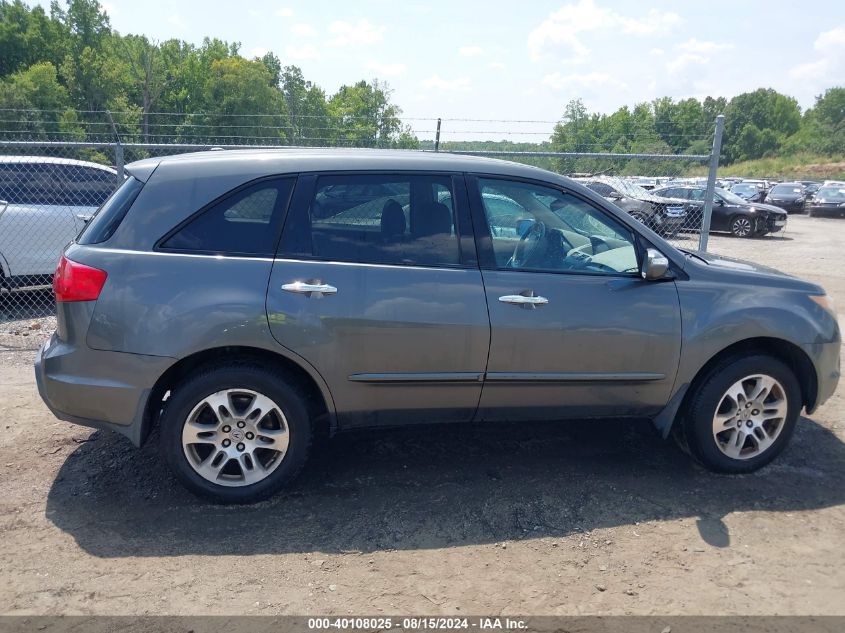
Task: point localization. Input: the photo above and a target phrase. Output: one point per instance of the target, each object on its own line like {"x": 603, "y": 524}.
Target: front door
{"x": 375, "y": 288}
{"x": 576, "y": 331}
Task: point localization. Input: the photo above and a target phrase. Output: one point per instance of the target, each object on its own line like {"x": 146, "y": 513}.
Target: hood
{"x": 660, "y": 199}
{"x": 768, "y": 207}
{"x": 755, "y": 273}
{"x": 785, "y": 196}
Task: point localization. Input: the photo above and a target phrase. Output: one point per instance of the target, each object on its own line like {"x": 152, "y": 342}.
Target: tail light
{"x": 73, "y": 281}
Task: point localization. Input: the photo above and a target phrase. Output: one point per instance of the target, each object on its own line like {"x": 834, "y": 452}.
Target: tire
{"x": 248, "y": 469}
{"x": 742, "y": 226}
{"x": 698, "y": 424}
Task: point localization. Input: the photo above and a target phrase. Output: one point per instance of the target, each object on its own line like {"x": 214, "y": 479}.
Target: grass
{"x": 797, "y": 166}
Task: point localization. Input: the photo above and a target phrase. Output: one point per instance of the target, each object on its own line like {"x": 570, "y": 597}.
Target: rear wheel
{"x": 235, "y": 434}
{"x": 742, "y": 226}
{"x": 742, "y": 414}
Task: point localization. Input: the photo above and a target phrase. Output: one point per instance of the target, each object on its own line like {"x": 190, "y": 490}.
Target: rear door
{"x": 382, "y": 295}
{"x": 576, "y": 332}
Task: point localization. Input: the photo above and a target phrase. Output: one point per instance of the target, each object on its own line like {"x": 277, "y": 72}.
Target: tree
{"x": 242, "y": 102}
{"x": 758, "y": 111}
{"x": 308, "y": 110}
{"x": 365, "y": 117}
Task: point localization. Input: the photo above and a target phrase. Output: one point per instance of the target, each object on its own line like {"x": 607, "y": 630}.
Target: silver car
{"x": 245, "y": 301}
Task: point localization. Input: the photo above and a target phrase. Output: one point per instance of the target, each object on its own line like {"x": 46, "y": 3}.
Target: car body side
{"x": 135, "y": 348}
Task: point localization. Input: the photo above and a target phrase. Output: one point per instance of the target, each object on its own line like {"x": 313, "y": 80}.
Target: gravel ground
{"x": 583, "y": 518}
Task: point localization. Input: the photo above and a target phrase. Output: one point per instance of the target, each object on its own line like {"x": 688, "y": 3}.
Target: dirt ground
{"x": 582, "y": 518}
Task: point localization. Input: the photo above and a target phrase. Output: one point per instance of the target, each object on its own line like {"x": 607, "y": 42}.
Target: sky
{"x": 522, "y": 61}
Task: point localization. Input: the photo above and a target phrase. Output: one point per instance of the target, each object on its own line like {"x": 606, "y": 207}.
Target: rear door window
{"x": 245, "y": 222}
{"x": 378, "y": 219}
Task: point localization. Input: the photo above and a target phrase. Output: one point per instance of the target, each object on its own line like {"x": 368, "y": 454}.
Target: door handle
{"x": 524, "y": 300}
{"x": 303, "y": 287}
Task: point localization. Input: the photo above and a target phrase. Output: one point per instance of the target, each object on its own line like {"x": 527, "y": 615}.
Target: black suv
{"x": 660, "y": 213}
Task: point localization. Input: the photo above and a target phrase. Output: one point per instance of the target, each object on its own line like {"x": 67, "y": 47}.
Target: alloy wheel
{"x": 741, "y": 227}
{"x": 750, "y": 416}
{"x": 235, "y": 437}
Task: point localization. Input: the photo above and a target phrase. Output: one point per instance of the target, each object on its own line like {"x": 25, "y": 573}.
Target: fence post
{"x": 118, "y": 150}
{"x": 437, "y": 137}
{"x": 711, "y": 183}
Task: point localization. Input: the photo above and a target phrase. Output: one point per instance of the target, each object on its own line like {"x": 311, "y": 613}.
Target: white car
{"x": 44, "y": 204}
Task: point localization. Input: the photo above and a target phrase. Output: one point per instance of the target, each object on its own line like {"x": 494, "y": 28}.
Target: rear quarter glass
{"x": 105, "y": 222}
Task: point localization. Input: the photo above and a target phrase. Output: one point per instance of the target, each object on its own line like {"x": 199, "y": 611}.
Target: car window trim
{"x": 159, "y": 247}
{"x": 460, "y": 202}
{"x": 484, "y": 238}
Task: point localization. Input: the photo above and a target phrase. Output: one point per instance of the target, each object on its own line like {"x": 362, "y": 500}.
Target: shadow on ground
{"x": 432, "y": 487}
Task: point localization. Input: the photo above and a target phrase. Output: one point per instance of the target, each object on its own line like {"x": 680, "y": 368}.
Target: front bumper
{"x": 104, "y": 390}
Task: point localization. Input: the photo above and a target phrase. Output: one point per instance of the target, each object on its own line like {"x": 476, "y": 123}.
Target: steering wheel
{"x": 528, "y": 245}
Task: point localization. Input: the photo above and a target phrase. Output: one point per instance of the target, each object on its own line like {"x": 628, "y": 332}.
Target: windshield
{"x": 630, "y": 188}
{"x": 730, "y": 198}
{"x": 831, "y": 193}
{"x": 745, "y": 188}
{"x": 787, "y": 188}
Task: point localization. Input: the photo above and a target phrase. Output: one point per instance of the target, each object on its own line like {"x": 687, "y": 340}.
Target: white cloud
{"x": 284, "y": 12}
{"x": 387, "y": 70}
{"x": 470, "y": 51}
{"x": 436, "y": 82}
{"x": 254, "y": 13}
{"x": 657, "y": 52}
{"x": 351, "y": 34}
{"x": 558, "y": 81}
{"x": 829, "y": 67}
{"x": 497, "y": 65}
{"x": 108, "y": 7}
{"x": 307, "y": 51}
{"x": 560, "y": 32}
{"x": 259, "y": 51}
{"x": 834, "y": 38}
{"x": 175, "y": 19}
{"x": 685, "y": 60}
{"x": 694, "y": 45}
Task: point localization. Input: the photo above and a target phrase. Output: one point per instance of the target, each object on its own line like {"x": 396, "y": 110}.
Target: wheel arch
{"x": 320, "y": 402}
{"x": 789, "y": 353}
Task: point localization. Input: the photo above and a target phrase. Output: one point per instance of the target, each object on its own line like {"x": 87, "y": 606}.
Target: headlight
{"x": 825, "y": 302}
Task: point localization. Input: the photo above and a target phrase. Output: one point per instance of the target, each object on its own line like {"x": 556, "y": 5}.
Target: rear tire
{"x": 236, "y": 434}
{"x": 728, "y": 430}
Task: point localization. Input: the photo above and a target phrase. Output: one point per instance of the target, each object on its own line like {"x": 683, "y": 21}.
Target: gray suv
{"x": 246, "y": 302}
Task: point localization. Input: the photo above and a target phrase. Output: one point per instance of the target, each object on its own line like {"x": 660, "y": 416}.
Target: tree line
{"x": 72, "y": 61}
{"x": 62, "y": 70}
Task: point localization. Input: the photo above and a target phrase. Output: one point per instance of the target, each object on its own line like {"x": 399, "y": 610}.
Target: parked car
{"x": 826, "y": 202}
{"x": 209, "y": 298}
{"x": 810, "y": 187}
{"x": 44, "y": 203}
{"x": 788, "y": 196}
{"x": 749, "y": 191}
{"x": 661, "y": 214}
{"x": 730, "y": 212}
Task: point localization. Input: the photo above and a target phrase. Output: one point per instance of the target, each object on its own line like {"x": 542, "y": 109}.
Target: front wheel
{"x": 235, "y": 434}
{"x": 741, "y": 414}
{"x": 742, "y": 226}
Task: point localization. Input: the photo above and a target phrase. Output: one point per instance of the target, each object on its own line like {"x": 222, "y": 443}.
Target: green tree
{"x": 364, "y": 116}
{"x": 756, "y": 123}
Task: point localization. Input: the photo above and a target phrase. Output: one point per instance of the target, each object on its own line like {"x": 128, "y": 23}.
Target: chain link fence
{"x": 50, "y": 186}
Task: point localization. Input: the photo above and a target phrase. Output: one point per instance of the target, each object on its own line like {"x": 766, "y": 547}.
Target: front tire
{"x": 235, "y": 434}
{"x": 741, "y": 414}
{"x": 742, "y": 226}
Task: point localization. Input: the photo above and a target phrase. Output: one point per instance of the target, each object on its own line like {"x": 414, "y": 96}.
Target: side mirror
{"x": 524, "y": 225}
{"x": 615, "y": 195}
{"x": 655, "y": 265}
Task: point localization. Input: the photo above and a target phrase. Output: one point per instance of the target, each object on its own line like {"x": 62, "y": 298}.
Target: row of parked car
{"x": 813, "y": 197}
{"x": 679, "y": 206}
